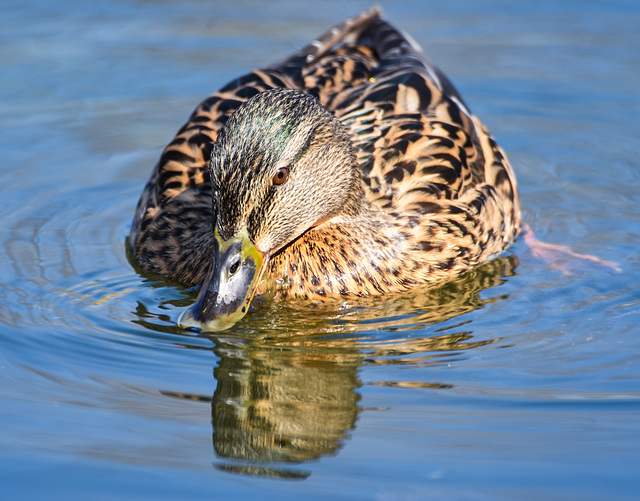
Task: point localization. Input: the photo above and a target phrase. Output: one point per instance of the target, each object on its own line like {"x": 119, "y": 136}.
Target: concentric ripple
{"x": 519, "y": 379}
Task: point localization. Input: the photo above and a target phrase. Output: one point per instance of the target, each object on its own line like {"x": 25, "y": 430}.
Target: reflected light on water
{"x": 513, "y": 381}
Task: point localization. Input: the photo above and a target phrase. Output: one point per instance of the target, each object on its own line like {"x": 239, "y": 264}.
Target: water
{"x": 520, "y": 380}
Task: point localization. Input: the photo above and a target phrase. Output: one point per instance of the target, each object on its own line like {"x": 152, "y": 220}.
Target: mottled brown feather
{"x": 441, "y": 194}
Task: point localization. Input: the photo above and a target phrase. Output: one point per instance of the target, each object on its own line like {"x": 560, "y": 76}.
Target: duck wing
{"x": 421, "y": 150}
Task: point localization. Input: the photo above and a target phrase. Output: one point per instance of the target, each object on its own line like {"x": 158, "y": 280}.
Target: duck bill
{"x": 235, "y": 272}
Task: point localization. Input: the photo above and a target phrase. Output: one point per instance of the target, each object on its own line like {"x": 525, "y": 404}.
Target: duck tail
{"x": 351, "y": 28}
{"x": 396, "y": 49}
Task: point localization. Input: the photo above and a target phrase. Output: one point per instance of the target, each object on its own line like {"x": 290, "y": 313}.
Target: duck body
{"x": 352, "y": 168}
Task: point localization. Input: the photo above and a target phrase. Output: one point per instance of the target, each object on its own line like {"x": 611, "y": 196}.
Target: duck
{"x": 350, "y": 169}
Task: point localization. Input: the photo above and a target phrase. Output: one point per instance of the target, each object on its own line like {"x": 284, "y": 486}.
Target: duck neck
{"x": 362, "y": 251}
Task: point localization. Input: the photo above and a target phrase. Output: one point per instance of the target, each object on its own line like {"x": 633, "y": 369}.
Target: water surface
{"x": 520, "y": 380}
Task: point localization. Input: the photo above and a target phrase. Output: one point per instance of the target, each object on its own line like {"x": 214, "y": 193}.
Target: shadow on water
{"x": 287, "y": 378}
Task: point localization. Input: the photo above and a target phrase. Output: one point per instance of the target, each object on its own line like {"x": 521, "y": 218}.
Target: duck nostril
{"x": 234, "y": 268}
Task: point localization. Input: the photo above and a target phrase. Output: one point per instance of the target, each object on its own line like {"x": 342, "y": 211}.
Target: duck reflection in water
{"x": 288, "y": 392}
{"x": 289, "y": 403}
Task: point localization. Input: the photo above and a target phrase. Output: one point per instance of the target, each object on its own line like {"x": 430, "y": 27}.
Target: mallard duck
{"x": 352, "y": 168}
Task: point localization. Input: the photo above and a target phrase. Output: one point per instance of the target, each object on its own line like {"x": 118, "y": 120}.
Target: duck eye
{"x": 281, "y": 176}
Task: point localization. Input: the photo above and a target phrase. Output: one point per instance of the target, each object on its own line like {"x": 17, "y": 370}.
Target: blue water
{"x": 521, "y": 380}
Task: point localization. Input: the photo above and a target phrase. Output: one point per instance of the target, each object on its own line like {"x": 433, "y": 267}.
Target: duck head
{"x": 282, "y": 164}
